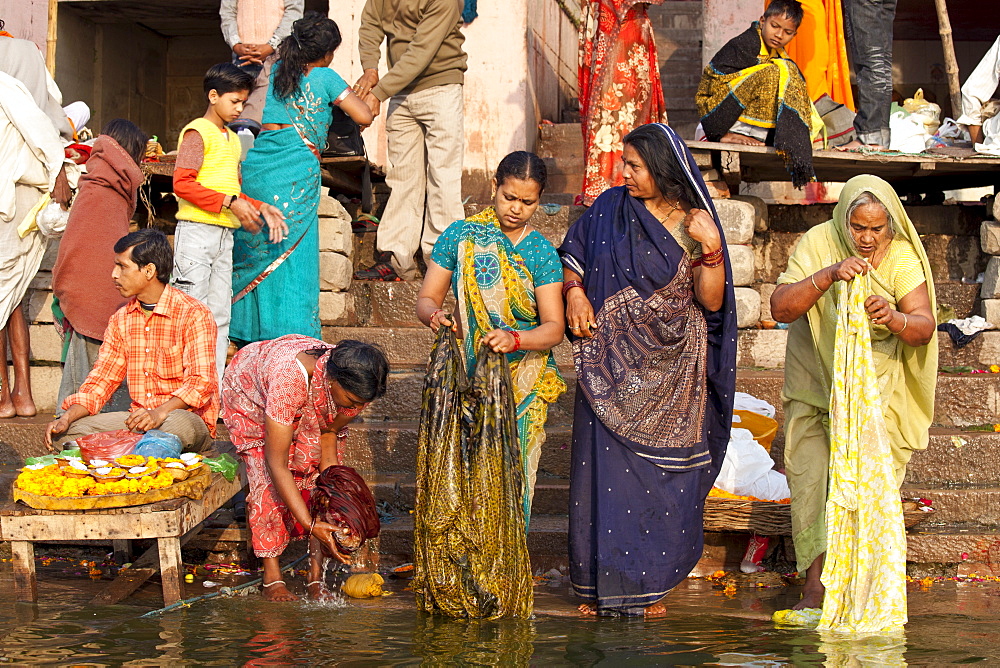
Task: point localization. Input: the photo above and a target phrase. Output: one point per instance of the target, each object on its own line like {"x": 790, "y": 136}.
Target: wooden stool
{"x": 166, "y": 521}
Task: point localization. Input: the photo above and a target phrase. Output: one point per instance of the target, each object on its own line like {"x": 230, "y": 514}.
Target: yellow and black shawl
{"x": 747, "y": 82}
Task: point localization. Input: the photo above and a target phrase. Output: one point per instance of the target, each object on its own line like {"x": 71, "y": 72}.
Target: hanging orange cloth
{"x": 820, "y": 51}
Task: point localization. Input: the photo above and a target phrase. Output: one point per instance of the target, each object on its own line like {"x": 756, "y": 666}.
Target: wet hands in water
{"x": 323, "y": 532}
{"x": 879, "y": 310}
{"x": 500, "y": 341}
{"x": 846, "y": 270}
{"x": 701, "y": 227}
{"x": 579, "y": 314}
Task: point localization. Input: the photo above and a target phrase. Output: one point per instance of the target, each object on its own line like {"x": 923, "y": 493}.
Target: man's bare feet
{"x": 589, "y": 609}
{"x": 277, "y": 591}
{"x": 736, "y": 138}
{"x": 7, "y": 409}
{"x": 856, "y": 145}
{"x": 23, "y": 406}
{"x": 656, "y": 610}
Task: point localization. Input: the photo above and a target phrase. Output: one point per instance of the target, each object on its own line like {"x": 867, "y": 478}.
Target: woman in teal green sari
{"x": 276, "y": 286}
{"x": 507, "y": 280}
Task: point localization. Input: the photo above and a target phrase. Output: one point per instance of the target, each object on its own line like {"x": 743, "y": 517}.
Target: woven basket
{"x": 762, "y": 517}
{"x": 767, "y": 518}
{"x": 912, "y": 518}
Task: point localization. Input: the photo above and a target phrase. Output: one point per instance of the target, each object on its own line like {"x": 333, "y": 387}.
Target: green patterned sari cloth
{"x": 495, "y": 290}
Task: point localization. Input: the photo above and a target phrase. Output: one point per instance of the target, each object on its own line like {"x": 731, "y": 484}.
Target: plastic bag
{"x": 926, "y": 112}
{"x": 907, "y": 133}
{"x": 107, "y": 445}
{"x": 224, "y": 464}
{"x": 159, "y": 444}
{"x": 748, "y": 470}
{"x": 52, "y": 220}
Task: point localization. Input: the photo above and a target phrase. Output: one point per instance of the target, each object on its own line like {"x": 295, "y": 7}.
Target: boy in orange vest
{"x": 210, "y": 201}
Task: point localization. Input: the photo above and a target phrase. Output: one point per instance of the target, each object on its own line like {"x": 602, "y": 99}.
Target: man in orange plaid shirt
{"x": 163, "y": 342}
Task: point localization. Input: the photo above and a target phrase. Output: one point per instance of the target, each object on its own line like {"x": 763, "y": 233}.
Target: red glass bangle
{"x": 517, "y": 340}
{"x": 569, "y": 285}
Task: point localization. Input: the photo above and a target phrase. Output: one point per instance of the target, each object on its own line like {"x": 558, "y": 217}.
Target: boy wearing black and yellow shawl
{"x": 753, "y": 93}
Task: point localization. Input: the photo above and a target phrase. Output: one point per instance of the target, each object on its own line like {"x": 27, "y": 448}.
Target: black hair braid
{"x": 312, "y": 37}
{"x": 525, "y": 166}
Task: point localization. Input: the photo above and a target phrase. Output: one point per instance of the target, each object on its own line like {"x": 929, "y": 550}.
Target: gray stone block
{"x": 334, "y": 307}
{"x": 996, "y": 208}
{"x": 989, "y": 237}
{"x": 330, "y": 207}
{"x": 737, "y": 220}
{"x": 747, "y": 307}
{"x": 991, "y": 310}
{"x": 742, "y": 260}
{"x": 334, "y": 271}
{"x": 335, "y": 235}
{"x": 760, "y": 212}
{"x": 991, "y": 281}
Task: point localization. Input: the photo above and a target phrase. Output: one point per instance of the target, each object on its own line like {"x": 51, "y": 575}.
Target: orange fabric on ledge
{"x": 820, "y": 51}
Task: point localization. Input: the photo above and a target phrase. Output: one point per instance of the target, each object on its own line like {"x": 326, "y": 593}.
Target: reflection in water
{"x": 949, "y": 624}
{"x": 443, "y": 641}
{"x": 850, "y": 652}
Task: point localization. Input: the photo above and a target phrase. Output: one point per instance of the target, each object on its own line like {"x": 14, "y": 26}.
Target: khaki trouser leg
{"x": 425, "y": 135}
{"x": 185, "y": 425}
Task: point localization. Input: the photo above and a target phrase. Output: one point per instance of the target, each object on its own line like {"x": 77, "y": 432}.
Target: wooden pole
{"x": 50, "y": 38}
{"x": 950, "y": 62}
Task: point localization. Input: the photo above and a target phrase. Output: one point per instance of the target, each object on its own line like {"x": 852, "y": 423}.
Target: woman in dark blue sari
{"x": 652, "y": 318}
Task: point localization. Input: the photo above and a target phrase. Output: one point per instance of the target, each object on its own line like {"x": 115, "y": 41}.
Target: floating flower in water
{"x": 995, "y": 368}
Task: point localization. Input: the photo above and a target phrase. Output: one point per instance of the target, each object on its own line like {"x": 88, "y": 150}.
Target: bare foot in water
{"x": 736, "y": 138}
{"x": 588, "y": 609}
{"x": 278, "y": 592}
{"x": 812, "y": 597}
{"x": 317, "y": 592}
{"x": 656, "y": 610}
{"x": 855, "y": 145}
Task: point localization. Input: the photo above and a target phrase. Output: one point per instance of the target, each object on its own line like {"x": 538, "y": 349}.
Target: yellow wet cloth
{"x": 809, "y": 617}
{"x": 906, "y": 375}
{"x": 865, "y": 568}
{"x": 363, "y": 585}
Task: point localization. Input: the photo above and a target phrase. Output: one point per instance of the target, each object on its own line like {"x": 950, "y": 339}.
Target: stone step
{"x": 547, "y": 536}
{"x": 757, "y": 348}
{"x": 961, "y": 400}
{"x": 975, "y": 505}
{"x": 968, "y": 546}
{"x": 399, "y": 491}
{"x": 953, "y": 458}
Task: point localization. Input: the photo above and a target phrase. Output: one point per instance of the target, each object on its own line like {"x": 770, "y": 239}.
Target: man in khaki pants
{"x": 424, "y": 125}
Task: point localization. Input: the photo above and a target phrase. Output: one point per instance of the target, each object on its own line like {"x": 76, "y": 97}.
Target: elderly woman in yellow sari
{"x": 507, "y": 279}
{"x": 870, "y": 235}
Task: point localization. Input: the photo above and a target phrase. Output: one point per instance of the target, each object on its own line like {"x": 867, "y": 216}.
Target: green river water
{"x": 951, "y": 623}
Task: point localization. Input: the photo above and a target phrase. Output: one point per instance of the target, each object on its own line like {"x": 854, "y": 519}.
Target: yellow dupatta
{"x": 865, "y": 568}
{"x": 907, "y": 376}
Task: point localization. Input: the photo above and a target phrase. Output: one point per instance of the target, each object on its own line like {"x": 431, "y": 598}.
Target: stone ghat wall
{"x": 760, "y": 238}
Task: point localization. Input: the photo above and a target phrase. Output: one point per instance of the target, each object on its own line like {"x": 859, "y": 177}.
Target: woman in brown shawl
{"x": 81, "y": 280}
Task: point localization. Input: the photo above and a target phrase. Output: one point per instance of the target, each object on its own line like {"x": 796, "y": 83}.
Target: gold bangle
{"x": 813, "y": 279}
{"x": 905, "y": 323}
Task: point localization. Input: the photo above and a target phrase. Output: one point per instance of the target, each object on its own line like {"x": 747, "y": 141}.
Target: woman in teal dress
{"x": 507, "y": 280}
{"x": 276, "y": 286}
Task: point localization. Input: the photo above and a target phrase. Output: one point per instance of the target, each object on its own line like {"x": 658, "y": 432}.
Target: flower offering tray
{"x": 192, "y": 488}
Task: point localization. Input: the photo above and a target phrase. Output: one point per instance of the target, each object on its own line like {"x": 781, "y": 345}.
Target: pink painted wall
{"x": 26, "y": 19}
{"x": 724, "y": 19}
